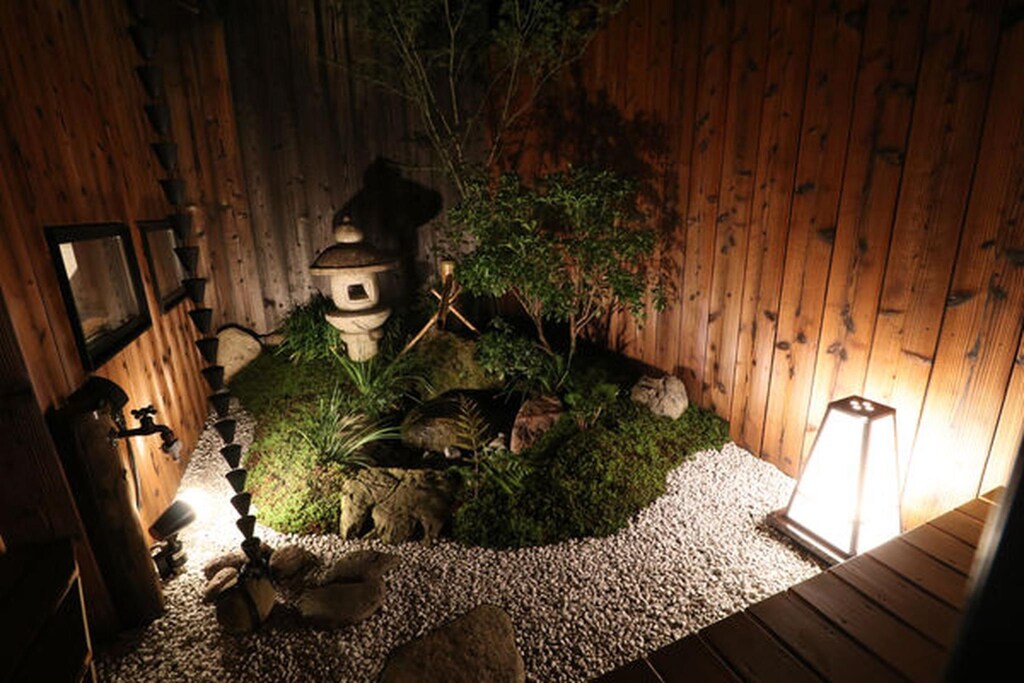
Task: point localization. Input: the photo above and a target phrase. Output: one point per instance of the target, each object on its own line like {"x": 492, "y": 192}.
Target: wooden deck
{"x": 888, "y": 615}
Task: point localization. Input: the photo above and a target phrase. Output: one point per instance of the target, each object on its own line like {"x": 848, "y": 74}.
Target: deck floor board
{"x": 889, "y": 614}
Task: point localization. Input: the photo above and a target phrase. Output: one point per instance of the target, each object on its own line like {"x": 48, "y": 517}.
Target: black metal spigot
{"x": 147, "y": 425}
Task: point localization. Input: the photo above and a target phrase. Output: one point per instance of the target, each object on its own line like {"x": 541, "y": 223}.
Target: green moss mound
{"x": 293, "y": 492}
{"x": 449, "y": 362}
{"x": 589, "y": 482}
{"x": 603, "y": 462}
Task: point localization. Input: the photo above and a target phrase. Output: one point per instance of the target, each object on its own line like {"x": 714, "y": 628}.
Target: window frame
{"x": 108, "y": 345}
{"x": 176, "y": 295}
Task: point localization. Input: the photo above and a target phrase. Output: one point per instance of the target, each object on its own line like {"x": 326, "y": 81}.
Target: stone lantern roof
{"x": 351, "y": 255}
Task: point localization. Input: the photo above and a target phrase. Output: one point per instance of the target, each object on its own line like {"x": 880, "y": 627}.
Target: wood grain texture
{"x": 818, "y": 643}
{"x": 883, "y": 104}
{"x": 76, "y": 150}
{"x": 814, "y": 166}
{"x": 982, "y": 319}
{"x": 747, "y": 66}
{"x": 899, "y": 645}
{"x": 812, "y": 224}
{"x": 781, "y": 117}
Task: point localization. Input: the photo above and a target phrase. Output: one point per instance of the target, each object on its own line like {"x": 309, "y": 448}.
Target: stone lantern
{"x": 353, "y": 267}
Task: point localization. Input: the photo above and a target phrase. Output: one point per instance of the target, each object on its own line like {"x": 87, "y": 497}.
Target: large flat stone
{"x": 478, "y": 647}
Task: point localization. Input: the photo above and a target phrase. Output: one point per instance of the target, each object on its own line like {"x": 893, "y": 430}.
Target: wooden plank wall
{"x": 76, "y": 150}
{"x": 839, "y": 183}
{"x": 849, "y": 190}
{"x": 316, "y": 138}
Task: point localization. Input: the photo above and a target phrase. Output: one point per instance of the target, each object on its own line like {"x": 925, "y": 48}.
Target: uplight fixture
{"x": 847, "y": 498}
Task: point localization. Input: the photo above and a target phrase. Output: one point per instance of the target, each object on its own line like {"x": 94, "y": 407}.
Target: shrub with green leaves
{"x": 515, "y": 360}
{"x": 587, "y": 482}
{"x": 570, "y": 248}
{"x": 587, "y": 403}
{"x": 307, "y": 334}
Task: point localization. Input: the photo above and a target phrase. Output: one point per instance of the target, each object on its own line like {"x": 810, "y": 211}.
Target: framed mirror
{"x": 99, "y": 280}
{"x": 159, "y": 241}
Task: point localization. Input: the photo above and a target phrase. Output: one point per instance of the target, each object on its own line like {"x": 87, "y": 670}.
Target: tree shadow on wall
{"x": 583, "y": 128}
{"x": 390, "y": 209}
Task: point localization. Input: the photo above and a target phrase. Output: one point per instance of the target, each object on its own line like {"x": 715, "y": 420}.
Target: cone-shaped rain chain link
{"x": 152, "y": 79}
{"x": 202, "y": 318}
{"x": 144, "y": 37}
{"x": 221, "y": 402}
{"x": 208, "y": 348}
{"x": 166, "y": 154}
{"x": 246, "y": 525}
{"x": 174, "y": 191}
{"x": 226, "y": 429}
{"x": 181, "y": 223}
{"x": 236, "y": 478}
{"x": 159, "y": 118}
{"x": 188, "y": 257}
{"x": 195, "y": 287}
{"x": 253, "y": 549}
{"x": 232, "y": 454}
{"x": 214, "y": 376}
{"x": 241, "y": 502}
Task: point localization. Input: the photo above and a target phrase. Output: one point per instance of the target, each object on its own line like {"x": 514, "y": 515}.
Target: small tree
{"x": 473, "y": 69}
{"x": 570, "y": 249}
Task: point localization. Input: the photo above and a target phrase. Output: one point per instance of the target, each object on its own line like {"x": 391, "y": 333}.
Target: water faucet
{"x": 147, "y": 425}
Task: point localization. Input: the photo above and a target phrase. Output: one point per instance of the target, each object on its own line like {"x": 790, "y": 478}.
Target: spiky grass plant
{"x": 380, "y": 384}
{"x": 339, "y": 437}
{"x": 307, "y": 334}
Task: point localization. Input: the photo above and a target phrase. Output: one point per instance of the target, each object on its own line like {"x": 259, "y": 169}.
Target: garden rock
{"x": 341, "y": 604}
{"x": 396, "y": 505}
{"x": 535, "y": 417}
{"x": 291, "y": 563}
{"x": 243, "y": 604}
{"x": 236, "y": 348}
{"x": 434, "y": 424}
{"x": 478, "y": 646}
{"x": 451, "y": 362}
{"x": 221, "y": 580}
{"x": 235, "y": 558}
{"x": 360, "y": 565}
{"x": 664, "y": 396}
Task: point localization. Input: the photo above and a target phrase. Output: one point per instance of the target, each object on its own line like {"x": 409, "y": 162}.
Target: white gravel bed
{"x": 697, "y": 554}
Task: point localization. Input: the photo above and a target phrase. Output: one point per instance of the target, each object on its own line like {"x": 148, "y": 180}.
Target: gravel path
{"x": 697, "y": 554}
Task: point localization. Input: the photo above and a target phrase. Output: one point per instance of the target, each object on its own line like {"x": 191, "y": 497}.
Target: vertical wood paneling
{"x": 1010, "y": 430}
{"x": 742, "y": 126}
{"x": 812, "y": 224}
{"x": 701, "y": 216}
{"x": 781, "y": 117}
{"x": 951, "y": 93}
{"x": 680, "y": 124}
{"x": 76, "y": 150}
{"x": 981, "y": 334}
{"x": 878, "y": 138}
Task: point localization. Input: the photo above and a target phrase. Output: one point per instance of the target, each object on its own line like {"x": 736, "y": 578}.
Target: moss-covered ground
{"x": 605, "y": 460}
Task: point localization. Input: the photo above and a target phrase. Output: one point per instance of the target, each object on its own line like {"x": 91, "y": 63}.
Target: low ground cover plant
{"x": 321, "y": 417}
